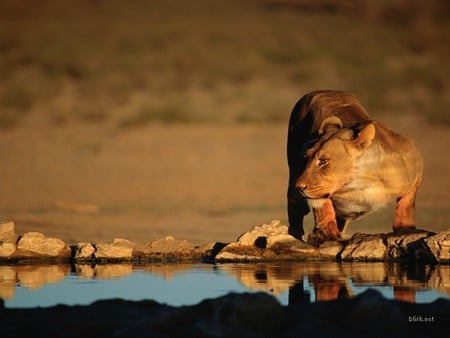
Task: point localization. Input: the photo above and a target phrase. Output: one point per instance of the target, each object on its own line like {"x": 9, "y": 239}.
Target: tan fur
{"x": 348, "y": 163}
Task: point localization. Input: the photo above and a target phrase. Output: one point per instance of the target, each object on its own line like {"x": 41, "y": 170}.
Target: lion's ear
{"x": 329, "y": 124}
{"x": 365, "y": 137}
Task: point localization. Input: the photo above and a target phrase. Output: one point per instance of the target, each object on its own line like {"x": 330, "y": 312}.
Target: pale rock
{"x": 7, "y": 249}
{"x": 37, "y": 243}
{"x": 439, "y": 245}
{"x": 84, "y": 251}
{"x": 8, "y": 239}
{"x": 331, "y": 249}
{"x": 280, "y": 239}
{"x": 236, "y": 252}
{"x": 124, "y": 242}
{"x": 7, "y": 232}
{"x": 274, "y": 229}
{"x": 295, "y": 247}
{"x": 233, "y": 256}
{"x": 168, "y": 245}
{"x": 119, "y": 249}
{"x": 365, "y": 247}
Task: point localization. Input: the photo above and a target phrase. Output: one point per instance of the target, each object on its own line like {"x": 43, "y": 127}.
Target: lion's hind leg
{"x": 405, "y": 209}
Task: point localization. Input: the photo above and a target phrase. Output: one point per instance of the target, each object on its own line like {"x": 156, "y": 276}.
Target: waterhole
{"x": 30, "y": 286}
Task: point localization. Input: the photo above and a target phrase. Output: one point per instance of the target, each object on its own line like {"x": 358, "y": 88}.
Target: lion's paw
{"x": 321, "y": 235}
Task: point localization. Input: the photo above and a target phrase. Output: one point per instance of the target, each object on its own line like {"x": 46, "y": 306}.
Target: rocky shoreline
{"x": 266, "y": 242}
{"x": 241, "y": 315}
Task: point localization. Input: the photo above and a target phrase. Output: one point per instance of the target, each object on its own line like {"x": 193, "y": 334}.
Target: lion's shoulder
{"x": 392, "y": 141}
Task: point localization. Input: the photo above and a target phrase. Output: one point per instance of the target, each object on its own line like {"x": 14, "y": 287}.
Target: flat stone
{"x": 37, "y": 243}
{"x": 169, "y": 244}
{"x": 331, "y": 249}
{"x": 406, "y": 244}
{"x": 278, "y": 239}
{"x": 236, "y": 252}
{"x": 234, "y": 256}
{"x": 365, "y": 247}
{"x": 439, "y": 245}
{"x": 296, "y": 246}
{"x": 116, "y": 250}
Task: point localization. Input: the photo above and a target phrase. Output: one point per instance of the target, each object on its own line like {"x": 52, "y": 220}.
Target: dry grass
{"x": 134, "y": 63}
{"x": 169, "y": 117}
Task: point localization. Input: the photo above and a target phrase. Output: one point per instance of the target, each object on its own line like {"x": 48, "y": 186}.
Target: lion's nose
{"x": 301, "y": 186}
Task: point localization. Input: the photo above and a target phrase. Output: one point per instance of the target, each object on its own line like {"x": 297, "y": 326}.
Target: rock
{"x": 7, "y": 249}
{"x": 276, "y": 240}
{"x": 225, "y": 256}
{"x": 169, "y": 244}
{"x": 365, "y": 247}
{"x": 8, "y": 239}
{"x": 439, "y": 245}
{"x": 236, "y": 252}
{"x": 169, "y": 248}
{"x": 119, "y": 249}
{"x": 83, "y": 251}
{"x": 35, "y": 243}
{"x": 270, "y": 232}
{"x": 7, "y": 232}
{"x": 210, "y": 250}
{"x": 267, "y": 242}
{"x": 409, "y": 244}
{"x": 294, "y": 249}
{"x": 331, "y": 249}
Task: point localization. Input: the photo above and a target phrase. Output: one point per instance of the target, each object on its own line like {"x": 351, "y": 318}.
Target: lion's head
{"x": 331, "y": 160}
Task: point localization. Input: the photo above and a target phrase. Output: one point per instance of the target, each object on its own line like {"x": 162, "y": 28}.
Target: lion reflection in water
{"x": 331, "y": 280}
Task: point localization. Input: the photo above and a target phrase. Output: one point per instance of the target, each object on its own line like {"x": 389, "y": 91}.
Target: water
{"x": 188, "y": 284}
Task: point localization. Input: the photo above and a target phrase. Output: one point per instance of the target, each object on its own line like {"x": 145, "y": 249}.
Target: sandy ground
{"x": 202, "y": 183}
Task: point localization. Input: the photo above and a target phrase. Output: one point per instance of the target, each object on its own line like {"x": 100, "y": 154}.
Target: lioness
{"x": 345, "y": 165}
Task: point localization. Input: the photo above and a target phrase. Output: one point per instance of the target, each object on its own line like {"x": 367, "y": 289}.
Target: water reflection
{"x": 293, "y": 282}
{"x": 335, "y": 280}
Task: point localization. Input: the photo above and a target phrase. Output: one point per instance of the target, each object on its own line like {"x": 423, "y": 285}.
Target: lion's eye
{"x": 323, "y": 162}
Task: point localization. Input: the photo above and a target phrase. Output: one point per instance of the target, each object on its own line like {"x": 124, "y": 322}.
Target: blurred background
{"x": 144, "y": 119}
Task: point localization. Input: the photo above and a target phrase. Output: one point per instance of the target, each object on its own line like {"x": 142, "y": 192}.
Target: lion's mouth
{"x": 319, "y": 198}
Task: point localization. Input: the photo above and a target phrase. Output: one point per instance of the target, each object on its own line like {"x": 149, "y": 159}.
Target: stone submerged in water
{"x": 234, "y": 315}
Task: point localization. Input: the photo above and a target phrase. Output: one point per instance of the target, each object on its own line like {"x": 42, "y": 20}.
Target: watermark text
{"x": 420, "y": 319}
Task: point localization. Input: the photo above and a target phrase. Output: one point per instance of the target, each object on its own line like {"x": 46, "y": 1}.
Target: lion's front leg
{"x": 325, "y": 228}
